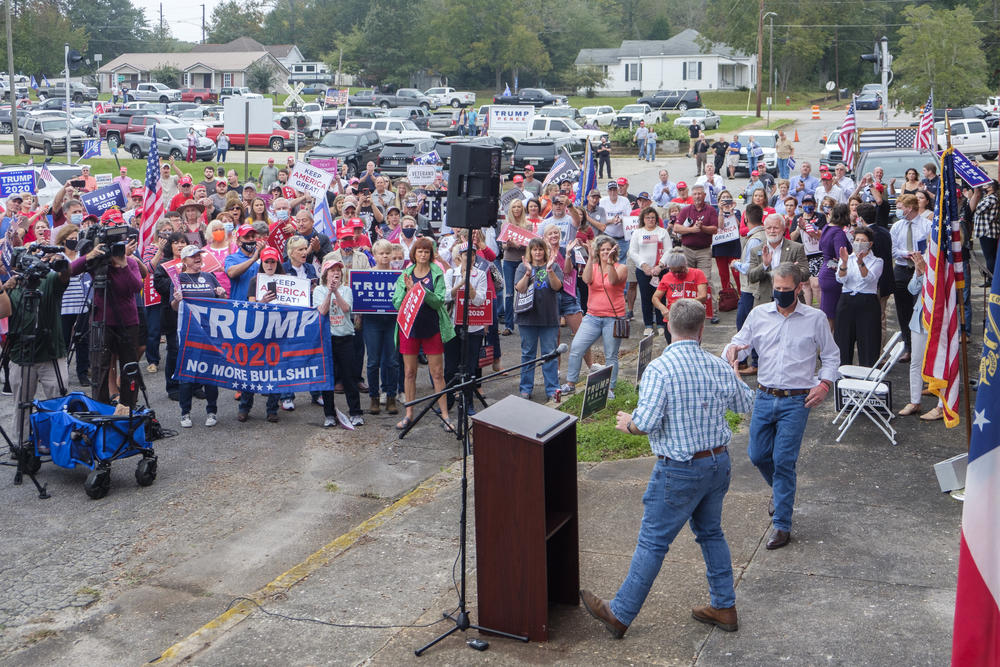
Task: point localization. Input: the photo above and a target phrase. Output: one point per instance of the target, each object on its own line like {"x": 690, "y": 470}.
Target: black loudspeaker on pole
{"x": 473, "y": 186}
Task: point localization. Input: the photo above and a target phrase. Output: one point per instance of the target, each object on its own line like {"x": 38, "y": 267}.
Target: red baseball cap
{"x": 138, "y": 192}
{"x": 827, "y": 176}
{"x": 112, "y": 217}
{"x": 288, "y": 192}
{"x": 518, "y": 179}
{"x": 622, "y": 181}
{"x": 346, "y": 242}
{"x": 755, "y": 173}
{"x": 681, "y": 185}
{"x": 529, "y": 167}
{"x": 243, "y": 230}
{"x": 354, "y": 223}
{"x": 270, "y": 253}
{"x": 185, "y": 180}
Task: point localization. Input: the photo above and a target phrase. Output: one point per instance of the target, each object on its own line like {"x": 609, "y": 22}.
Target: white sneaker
{"x": 595, "y": 367}
{"x": 288, "y": 404}
{"x": 151, "y": 368}
{"x": 329, "y": 421}
{"x": 357, "y": 420}
{"x": 611, "y": 395}
{"x": 211, "y": 419}
{"x": 185, "y": 421}
{"x": 648, "y": 331}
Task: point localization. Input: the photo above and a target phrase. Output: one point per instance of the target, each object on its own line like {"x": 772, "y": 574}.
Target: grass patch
{"x": 87, "y": 590}
{"x": 332, "y": 487}
{"x": 597, "y": 439}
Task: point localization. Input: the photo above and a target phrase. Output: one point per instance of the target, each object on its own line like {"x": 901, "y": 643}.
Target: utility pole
{"x": 10, "y": 73}
{"x": 770, "y": 67}
{"x": 161, "y": 20}
{"x": 203, "y": 24}
{"x": 760, "y": 50}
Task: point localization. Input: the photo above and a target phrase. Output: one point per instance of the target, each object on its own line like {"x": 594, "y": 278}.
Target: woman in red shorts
{"x": 431, "y": 328}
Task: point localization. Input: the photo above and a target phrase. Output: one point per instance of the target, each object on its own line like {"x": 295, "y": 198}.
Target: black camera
{"x": 114, "y": 239}
{"x": 27, "y": 263}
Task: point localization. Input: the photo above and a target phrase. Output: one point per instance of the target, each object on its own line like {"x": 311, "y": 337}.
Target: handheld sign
{"x": 102, "y": 199}
{"x": 645, "y": 356}
{"x": 513, "y": 234}
{"x": 595, "y": 396}
{"x": 326, "y": 164}
{"x": 373, "y": 292}
{"x": 289, "y": 290}
{"x": 726, "y": 234}
{"x": 103, "y": 179}
{"x": 969, "y": 172}
{"x": 277, "y": 237}
{"x": 630, "y": 223}
{"x": 306, "y": 178}
{"x": 409, "y": 308}
{"x": 150, "y": 297}
{"x": 419, "y": 175}
{"x": 15, "y": 181}
{"x": 507, "y": 198}
{"x": 479, "y": 316}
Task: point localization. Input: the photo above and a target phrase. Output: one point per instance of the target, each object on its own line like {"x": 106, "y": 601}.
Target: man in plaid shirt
{"x": 683, "y": 398}
{"x": 986, "y": 224}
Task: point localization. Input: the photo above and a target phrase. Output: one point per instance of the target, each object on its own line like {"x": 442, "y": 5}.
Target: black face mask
{"x": 784, "y": 299}
{"x": 408, "y": 232}
{"x": 248, "y": 248}
{"x": 70, "y": 244}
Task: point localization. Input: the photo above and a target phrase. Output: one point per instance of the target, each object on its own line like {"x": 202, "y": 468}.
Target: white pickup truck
{"x": 971, "y": 136}
{"x": 154, "y": 92}
{"x": 514, "y": 123}
{"x": 444, "y": 96}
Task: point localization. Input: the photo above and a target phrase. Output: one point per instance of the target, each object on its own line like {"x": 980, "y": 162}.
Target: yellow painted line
{"x": 203, "y": 636}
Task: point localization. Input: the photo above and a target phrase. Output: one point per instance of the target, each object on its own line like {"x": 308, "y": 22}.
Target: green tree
{"x": 113, "y": 27}
{"x": 383, "y": 49}
{"x": 233, "y": 19}
{"x": 262, "y": 77}
{"x": 940, "y": 50}
{"x": 168, "y": 75}
{"x": 40, "y": 28}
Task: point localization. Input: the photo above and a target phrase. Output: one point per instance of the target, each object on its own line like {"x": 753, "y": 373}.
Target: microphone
{"x": 562, "y": 349}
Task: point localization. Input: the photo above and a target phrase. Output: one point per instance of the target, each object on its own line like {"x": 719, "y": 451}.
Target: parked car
{"x": 78, "y": 92}
{"x": 48, "y": 135}
{"x": 707, "y": 119}
{"x": 170, "y": 140}
{"x": 276, "y": 140}
{"x": 154, "y": 92}
{"x": 549, "y": 127}
{"x": 404, "y": 97}
{"x": 444, "y": 145}
{"x": 237, "y": 91}
{"x": 176, "y": 107}
{"x": 199, "y": 95}
{"x": 894, "y": 163}
{"x": 602, "y": 115}
{"x": 560, "y": 112}
{"x": 868, "y": 101}
{"x": 353, "y": 147}
{"x": 682, "y": 100}
{"x": 830, "y": 155}
{"x": 444, "y": 96}
{"x": 50, "y": 104}
{"x": 390, "y": 128}
{"x": 971, "y": 136}
{"x": 444, "y": 121}
{"x": 419, "y": 115}
{"x": 541, "y": 153}
{"x": 631, "y": 114}
{"x": 871, "y": 88}
{"x": 767, "y": 139}
{"x": 536, "y": 97}
{"x": 396, "y": 155}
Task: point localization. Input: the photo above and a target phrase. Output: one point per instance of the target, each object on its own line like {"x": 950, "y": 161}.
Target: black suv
{"x": 398, "y": 154}
{"x": 682, "y": 100}
{"x": 444, "y": 144}
{"x": 353, "y": 147}
{"x": 541, "y": 153}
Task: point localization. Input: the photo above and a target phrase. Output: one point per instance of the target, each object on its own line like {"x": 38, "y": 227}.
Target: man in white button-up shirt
{"x": 909, "y": 234}
{"x": 787, "y": 335}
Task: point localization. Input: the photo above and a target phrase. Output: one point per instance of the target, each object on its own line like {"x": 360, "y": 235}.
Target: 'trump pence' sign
{"x": 307, "y": 178}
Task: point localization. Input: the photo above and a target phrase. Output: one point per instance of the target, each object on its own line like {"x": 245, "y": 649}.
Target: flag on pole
{"x": 34, "y": 83}
{"x": 323, "y": 219}
{"x": 506, "y": 90}
{"x": 588, "y": 175}
{"x": 846, "y": 138}
{"x": 91, "y": 148}
{"x": 45, "y": 81}
{"x": 944, "y": 276}
{"x": 152, "y": 201}
{"x": 45, "y": 174}
{"x": 976, "y": 636}
{"x": 563, "y": 167}
{"x": 428, "y": 158}
{"x": 925, "y": 130}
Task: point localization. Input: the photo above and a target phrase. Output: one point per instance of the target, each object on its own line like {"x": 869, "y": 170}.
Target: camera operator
{"x": 33, "y": 300}
{"x": 115, "y": 307}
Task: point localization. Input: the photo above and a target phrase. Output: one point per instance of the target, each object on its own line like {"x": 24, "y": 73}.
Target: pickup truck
{"x": 154, "y": 92}
{"x": 237, "y": 91}
{"x": 971, "y": 136}
{"x": 199, "y": 95}
{"x": 277, "y": 140}
{"x": 515, "y": 124}
{"x": 536, "y": 97}
{"x": 404, "y": 97}
{"x": 78, "y": 92}
{"x": 444, "y": 96}
{"x": 114, "y": 127}
{"x": 631, "y": 114}
{"x": 312, "y": 119}
{"x": 170, "y": 140}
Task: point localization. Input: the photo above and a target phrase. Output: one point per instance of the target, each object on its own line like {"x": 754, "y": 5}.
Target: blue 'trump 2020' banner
{"x": 251, "y": 346}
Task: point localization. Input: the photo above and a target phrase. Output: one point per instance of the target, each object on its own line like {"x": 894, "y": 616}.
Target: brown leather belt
{"x": 782, "y": 393}
{"x": 698, "y": 455}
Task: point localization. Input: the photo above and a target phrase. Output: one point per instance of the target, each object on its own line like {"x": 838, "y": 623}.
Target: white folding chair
{"x": 865, "y": 372}
{"x": 869, "y": 397}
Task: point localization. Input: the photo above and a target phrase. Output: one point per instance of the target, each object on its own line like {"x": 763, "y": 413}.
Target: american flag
{"x": 925, "y": 130}
{"x": 152, "y": 202}
{"x": 588, "y": 175}
{"x": 846, "y": 138}
{"x": 944, "y": 277}
{"x": 45, "y": 174}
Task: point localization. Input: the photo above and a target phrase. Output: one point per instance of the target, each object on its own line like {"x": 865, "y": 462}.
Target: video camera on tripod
{"x": 28, "y": 263}
{"x": 113, "y": 238}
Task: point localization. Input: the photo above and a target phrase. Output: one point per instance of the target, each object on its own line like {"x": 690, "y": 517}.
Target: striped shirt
{"x": 683, "y": 398}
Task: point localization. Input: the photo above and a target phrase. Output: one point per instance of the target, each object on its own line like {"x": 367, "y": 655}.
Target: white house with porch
{"x": 213, "y": 70}
{"x": 678, "y": 63}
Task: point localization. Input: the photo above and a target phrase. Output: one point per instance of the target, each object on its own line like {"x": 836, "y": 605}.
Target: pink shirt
{"x": 221, "y": 254}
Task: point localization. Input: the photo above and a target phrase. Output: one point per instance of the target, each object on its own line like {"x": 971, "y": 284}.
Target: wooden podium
{"x": 526, "y": 515}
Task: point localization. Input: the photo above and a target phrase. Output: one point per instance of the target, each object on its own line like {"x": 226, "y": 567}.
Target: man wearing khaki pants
{"x": 696, "y": 224}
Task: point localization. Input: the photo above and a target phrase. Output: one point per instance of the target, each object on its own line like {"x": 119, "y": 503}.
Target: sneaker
{"x": 630, "y": 314}
{"x": 211, "y": 419}
{"x": 648, "y": 331}
{"x": 317, "y": 400}
{"x": 715, "y": 319}
{"x": 329, "y": 421}
{"x": 593, "y": 369}
{"x": 151, "y": 368}
{"x": 288, "y": 404}
{"x": 611, "y": 395}
{"x": 567, "y": 389}
{"x": 185, "y": 421}
{"x": 6, "y": 391}
{"x": 241, "y": 416}
{"x": 357, "y": 420}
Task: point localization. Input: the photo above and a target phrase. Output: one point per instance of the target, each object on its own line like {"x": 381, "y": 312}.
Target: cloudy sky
{"x": 183, "y": 16}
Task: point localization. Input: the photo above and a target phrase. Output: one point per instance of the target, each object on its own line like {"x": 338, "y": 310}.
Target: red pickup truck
{"x": 199, "y": 95}
{"x": 277, "y": 140}
{"x": 114, "y": 127}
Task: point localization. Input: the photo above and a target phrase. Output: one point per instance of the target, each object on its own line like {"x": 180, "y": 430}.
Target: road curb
{"x": 202, "y": 638}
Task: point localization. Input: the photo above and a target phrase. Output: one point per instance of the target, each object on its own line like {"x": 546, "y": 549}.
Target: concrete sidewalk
{"x": 868, "y": 579}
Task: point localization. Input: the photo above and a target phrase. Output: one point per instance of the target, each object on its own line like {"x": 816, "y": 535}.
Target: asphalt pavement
{"x": 360, "y": 528}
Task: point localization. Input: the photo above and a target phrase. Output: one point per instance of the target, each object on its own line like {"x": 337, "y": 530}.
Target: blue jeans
{"x": 650, "y": 150}
{"x": 592, "y": 328}
{"x": 776, "y": 429}
{"x": 531, "y": 338}
{"x": 743, "y": 309}
{"x": 187, "y": 394}
{"x": 153, "y": 334}
{"x": 220, "y": 155}
{"x": 509, "y": 268}
{"x": 246, "y": 402}
{"x": 782, "y": 167}
{"x": 499, "y": 307}
{"x": 378, "y": 333}
{"x": 642, "y": 149}
{"x": 679, "y": 491}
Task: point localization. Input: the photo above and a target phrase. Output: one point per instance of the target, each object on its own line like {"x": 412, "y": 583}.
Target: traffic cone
{"x": 796, "y": 135}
